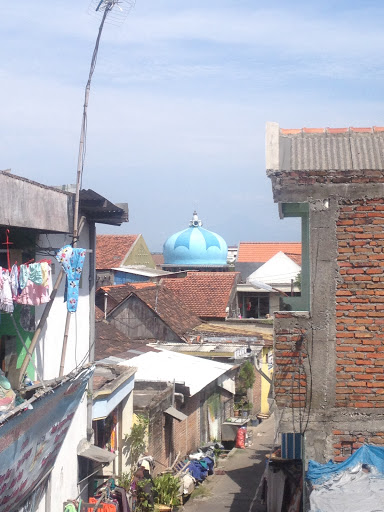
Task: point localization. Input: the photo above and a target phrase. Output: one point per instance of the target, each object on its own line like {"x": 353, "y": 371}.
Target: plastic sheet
{"x": 353, "y": 490}
{"x": 367, "y": 454}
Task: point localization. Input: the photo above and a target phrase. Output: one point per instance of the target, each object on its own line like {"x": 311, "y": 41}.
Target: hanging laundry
{"x": 14, "y": 276}
{"x": 72, "y": 261}
{"x": 34, "y": 294}
{"x": 6, "y": 302}
{"x": 45, "y": 272}
{"x": 35, "y": 273}
{"x": 23, "y": 276}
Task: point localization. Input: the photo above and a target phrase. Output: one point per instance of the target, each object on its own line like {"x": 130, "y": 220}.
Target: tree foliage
{"x": 246, "y": 377}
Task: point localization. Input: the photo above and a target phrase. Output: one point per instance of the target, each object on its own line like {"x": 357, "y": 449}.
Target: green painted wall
{"x": 7, "y": 329}
{"x": 301, "y": 303}
{"x": 140, "y": 255}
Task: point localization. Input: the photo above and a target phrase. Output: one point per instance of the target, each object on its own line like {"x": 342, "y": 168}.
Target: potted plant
{"x": 167, "y": 489}
{"x": 246, "y": 409}
{"x": 237, "y": 409}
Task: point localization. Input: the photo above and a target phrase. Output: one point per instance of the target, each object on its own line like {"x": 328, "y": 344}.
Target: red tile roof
{"x": 169, "y": 306}
{"x": 294, "y": 257}
{"x": 112, "y": 250}
{"x": 109, "y": 341}
{"x": 158, "y": 258}
{"x": 260, "y": 252}
{"x": 206, "y": 293}
{"x": 179, "y": 317}
{"x": 118, "y": 292}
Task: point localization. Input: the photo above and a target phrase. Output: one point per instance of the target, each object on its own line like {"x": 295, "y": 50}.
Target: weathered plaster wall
{"x": 27, "y": 204}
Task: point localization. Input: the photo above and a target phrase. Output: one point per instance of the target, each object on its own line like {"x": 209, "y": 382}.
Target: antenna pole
{"x": 82, "y": 145}
{"x": 80, "y": 167}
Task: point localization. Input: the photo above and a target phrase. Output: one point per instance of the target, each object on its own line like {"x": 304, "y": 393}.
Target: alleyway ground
{"x": 235, "y": 490}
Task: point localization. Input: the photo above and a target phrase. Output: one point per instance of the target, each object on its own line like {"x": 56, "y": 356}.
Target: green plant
{"x": 136, "y": 440}
{"x": 125, "y": 480}
{"x": 246, "y": 377}
{"x": 144, "y": 501}
{"x": 167, "y": 489}
{"x": 297, "y": 281}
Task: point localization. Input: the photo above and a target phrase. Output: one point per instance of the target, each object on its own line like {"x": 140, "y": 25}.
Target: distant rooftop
{"x": 261, "y": 252}
{"x": 112, "y": 250}
{"x": 324, "y": 149}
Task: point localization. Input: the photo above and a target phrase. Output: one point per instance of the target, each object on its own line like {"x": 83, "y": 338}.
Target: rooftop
{"x": 165, "y": 366}
{"x": 110, "y": 342}
{"x": 207, "y": 294}
{"x": 324, "y": 149}
{"x": 112, "y": 250}
{"x": 164, "y": 302}
{"x": 261, "y": 252}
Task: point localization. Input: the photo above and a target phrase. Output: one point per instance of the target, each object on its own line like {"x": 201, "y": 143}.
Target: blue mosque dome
{"x": 195, "y": 246}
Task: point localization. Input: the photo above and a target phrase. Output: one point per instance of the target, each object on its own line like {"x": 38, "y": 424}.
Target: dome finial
{"x": 195, "y": 222}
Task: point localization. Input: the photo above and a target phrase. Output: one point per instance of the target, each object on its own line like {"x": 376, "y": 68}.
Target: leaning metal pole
{"x": 80, "y": 166}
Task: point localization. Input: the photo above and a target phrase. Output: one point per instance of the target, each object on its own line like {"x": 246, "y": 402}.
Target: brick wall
{"x": 187, "y": 432}
{"x": 290, "y": 353}
{"x": 345, "y": 443}
{"x": 255, "y": 394}
{"x": 360, "y": 304}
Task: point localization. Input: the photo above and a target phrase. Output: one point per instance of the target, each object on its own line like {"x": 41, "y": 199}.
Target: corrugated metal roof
{"x": 331, "y": 149}
{"x": 165, "y": 366}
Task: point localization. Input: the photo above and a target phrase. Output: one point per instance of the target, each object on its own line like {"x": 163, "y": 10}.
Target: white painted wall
{"x": 64, "y": 476}
{"x": 48, "y": 352}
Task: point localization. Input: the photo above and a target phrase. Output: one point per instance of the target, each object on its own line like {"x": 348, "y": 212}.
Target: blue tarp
{"x": 367, "y": 454}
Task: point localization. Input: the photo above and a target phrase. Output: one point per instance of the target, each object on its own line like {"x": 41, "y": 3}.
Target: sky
{"x": 179, "y": 101}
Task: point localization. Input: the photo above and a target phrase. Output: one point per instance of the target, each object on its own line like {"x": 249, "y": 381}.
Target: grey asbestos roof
{"x": 327, "y": 149}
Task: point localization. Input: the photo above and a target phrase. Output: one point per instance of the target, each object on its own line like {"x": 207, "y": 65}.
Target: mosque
{"x": 195, "y": 248}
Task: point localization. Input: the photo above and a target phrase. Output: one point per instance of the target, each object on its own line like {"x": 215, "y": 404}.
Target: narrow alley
{"x": 236, "y": 489}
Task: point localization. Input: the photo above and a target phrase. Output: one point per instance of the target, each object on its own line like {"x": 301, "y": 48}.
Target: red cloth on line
{"x": 105, "y": 507}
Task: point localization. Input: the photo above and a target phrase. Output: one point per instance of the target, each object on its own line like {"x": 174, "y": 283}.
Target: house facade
{"x": 40, "y": 437}
{"x": 147, "y": 312}
{"x": 115, "y": 251}
{"x": 329, "y": 354}
{"x": 185, "y": 398}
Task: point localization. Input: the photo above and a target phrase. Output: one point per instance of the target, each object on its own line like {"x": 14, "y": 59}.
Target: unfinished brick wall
{"x": 345, "y": 443}
{"x": 160, "y": 431}
{"x": 290, "y": 378}
{"x": 360, "y": 304}
{"x": 256, "y": 394}
{"x": 187, "y": 432}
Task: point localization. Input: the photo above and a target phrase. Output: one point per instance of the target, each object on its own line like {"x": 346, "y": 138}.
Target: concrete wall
{"x": 27, "y": 204}
{"x": 329, "y": 361}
